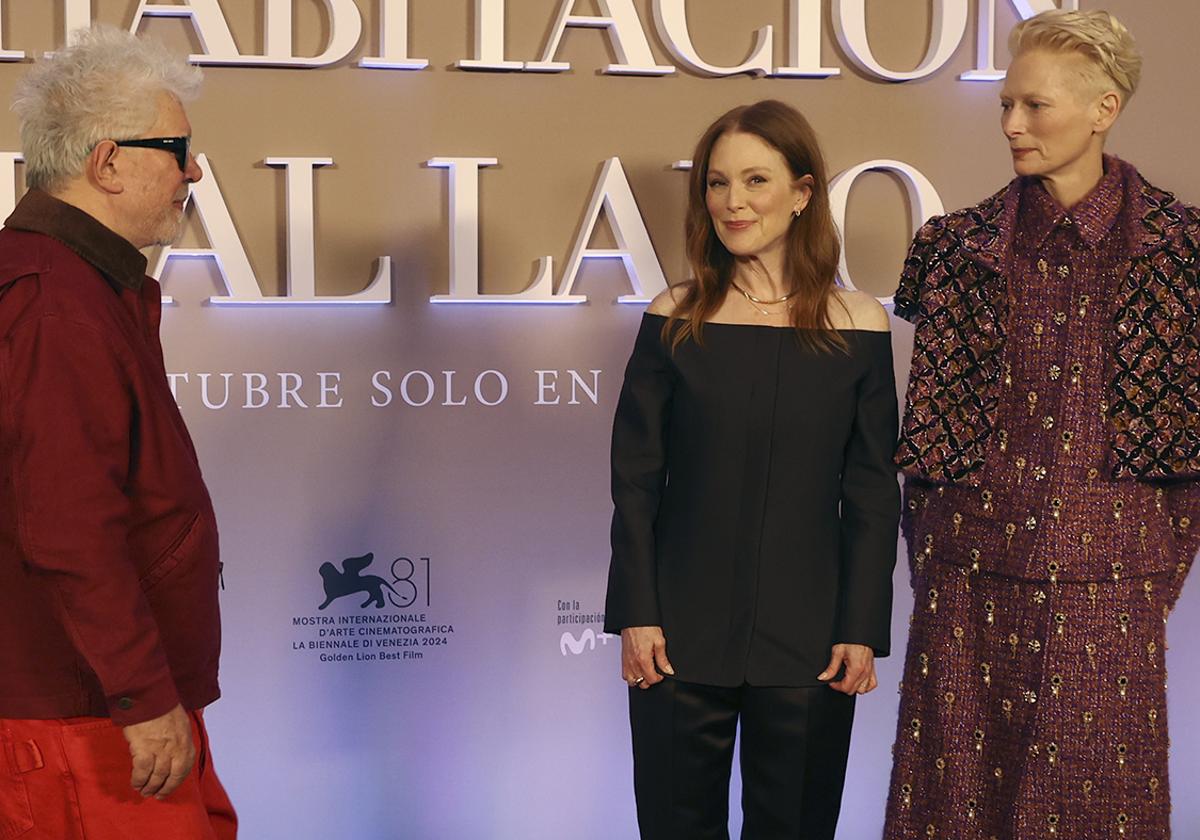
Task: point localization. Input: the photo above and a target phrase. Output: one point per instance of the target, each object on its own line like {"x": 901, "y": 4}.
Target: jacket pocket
{"x": 16, "y": 815}
{"x": 178, "y": 551}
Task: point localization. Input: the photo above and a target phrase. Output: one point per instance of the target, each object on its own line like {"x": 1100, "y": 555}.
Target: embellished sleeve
{"x": 639, "y": 474}
{"x": 1183, "y": 497}
{"x": 1155, "y": 384}
{"x": 916, "y": 264}
{"x": 870, "y": 508}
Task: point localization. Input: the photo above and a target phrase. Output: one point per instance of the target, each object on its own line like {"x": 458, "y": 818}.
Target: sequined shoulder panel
{"x": 954, "y": 289}
{"x": 1156, "y": 381}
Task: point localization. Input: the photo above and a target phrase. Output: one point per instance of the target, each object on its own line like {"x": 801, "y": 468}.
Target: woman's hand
{"x": 860, "y": 669}
{"x": 644, "y": 656}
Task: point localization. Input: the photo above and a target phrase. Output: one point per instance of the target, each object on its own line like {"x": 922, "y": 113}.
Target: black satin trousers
{"x": 794, "y": 746}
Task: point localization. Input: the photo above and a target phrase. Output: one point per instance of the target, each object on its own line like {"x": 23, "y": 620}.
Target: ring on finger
{"x": 639, "y": 681}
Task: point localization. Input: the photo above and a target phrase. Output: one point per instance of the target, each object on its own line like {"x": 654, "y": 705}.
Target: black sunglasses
{"x": 178, "y": 146}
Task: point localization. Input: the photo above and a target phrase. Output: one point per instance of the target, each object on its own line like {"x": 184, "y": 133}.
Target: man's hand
{"x": 860, "y": 669}
{"x": 162, "y": 752}
{"x": 644, "y": 656}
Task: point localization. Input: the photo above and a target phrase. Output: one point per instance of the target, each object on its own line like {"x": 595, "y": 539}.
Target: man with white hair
{"x": 108, "y": 544}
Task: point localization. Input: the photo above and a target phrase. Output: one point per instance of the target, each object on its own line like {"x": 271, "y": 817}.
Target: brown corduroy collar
{"x": 115, "y": 258}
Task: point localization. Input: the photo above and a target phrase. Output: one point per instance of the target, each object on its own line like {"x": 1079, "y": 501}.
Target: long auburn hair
{"x": 812, "y": 249}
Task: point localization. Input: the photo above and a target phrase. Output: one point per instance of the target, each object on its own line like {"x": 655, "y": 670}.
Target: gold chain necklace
{"x": 758, "y": 303}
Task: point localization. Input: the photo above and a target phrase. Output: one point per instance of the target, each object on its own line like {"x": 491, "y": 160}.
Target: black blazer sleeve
{"x": 870, "y": 507}
{"x": 639, "y": 474}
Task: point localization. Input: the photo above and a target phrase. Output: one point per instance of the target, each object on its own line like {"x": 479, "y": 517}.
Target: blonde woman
{"x": 1051, "y": 452}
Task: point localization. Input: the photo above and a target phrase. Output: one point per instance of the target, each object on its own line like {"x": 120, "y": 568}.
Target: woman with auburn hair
{"x": 757, "y": 506}
{"x": 1052, "y": 450}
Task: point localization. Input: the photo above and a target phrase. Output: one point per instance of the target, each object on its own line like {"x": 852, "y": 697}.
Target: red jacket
{"x": 108, "y": 543}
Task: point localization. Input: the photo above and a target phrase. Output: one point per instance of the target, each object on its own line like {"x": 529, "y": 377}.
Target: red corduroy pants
{"x": 69, "y": 780}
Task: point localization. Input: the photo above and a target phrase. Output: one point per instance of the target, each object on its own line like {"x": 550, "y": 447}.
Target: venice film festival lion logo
{"x": 350, "y": 580}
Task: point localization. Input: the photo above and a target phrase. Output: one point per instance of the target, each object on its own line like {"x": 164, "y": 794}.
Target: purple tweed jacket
{"x": 954, "y": 288}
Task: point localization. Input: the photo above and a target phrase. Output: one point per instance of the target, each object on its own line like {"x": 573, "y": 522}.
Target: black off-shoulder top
{"x": 756, "y": 501}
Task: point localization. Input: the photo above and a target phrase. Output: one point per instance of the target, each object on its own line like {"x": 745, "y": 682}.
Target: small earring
{"x": 796, "y": 213}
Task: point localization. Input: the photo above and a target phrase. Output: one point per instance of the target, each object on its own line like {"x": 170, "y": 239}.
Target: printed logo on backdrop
{"x": 364, "y": 616}
{"x": 570, "y": 643}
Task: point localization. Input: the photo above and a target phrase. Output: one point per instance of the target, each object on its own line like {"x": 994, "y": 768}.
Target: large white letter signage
{"x": 612, "y": 194}
{"x": 670, "y": 16}
{"x": 77, "y": 14}
{"x": 489, "y": 39}
{"x": 207, "y": 20}
{"x": 8, "y": 182}
{"x": 301, "y": 243}
{"x": 923, "y": 198}
{"x": 393, "y": 39}
{"x": 7, "y": 55}
{"x": 345, "y": 27}
{"x": 230, "y": 255}
{"x": 804, "y": 43}
{"x": 634, "y": 249}
{"x": 464, "y": 242}
{"x": 227, "y": 249}
{"x": 625, "y": 32}
{"x": 949, "y": 26}
{"x": 464, "y": 236}
{"x": 985, "y": 57}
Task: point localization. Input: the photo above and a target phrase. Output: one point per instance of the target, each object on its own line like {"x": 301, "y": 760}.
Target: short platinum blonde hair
{"x": 1096, "y": 35}
{"x": 104, "y": 86}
